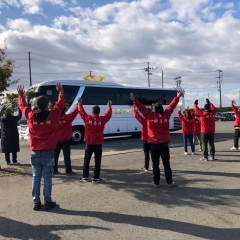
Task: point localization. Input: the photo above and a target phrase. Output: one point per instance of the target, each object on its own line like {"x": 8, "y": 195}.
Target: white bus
{"x": 98, "y": 93}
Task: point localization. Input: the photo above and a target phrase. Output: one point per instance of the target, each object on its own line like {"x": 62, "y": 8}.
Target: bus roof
{"x": 95, "y": 84}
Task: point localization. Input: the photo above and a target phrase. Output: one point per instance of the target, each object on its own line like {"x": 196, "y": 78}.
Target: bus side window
{"x": 164, "y": 100}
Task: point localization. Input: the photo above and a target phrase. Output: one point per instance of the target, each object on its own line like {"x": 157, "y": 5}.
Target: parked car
{"x": 220, "y": 117}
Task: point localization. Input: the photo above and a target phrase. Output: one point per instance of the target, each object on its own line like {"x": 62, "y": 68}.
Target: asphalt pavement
{"x": 205, "y": 204}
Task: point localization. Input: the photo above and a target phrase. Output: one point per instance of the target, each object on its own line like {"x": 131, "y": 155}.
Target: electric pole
{"x": 162, "y": 77}
{"x": 30, "y": 72}
{"x": 219, "y": 85}
{"x": 178, "y": 80}
{"x": 148, "y": 69}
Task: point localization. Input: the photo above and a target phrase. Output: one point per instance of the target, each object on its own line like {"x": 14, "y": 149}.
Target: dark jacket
{"x": 10, "y": 136}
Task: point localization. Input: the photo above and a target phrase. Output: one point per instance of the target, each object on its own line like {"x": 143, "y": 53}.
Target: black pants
{"x": 208, "y": 138}
{"x": 146, "y": 149}
{"x": 236, "y": 137}
{"x": 157, "y": 151}
{"x": 65, "y": 147}
{"x": 14, "y": 157}
{"x": 89, "y": 150}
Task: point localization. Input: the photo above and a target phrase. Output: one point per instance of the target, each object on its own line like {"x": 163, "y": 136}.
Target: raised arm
{"x": 22, "y": 104}
{"x": 169, "y": 110}
{"x": 71, "y": 116}
{"x": 180, "y": 114}
{"x": 139, "y": 117}
{"x": 58, "y": 107}
{"x": 108, "y": 113}
{"x": 234, "y": 108}
{"x": 197, "y": 109}
{"x": 145, "y": 112}
{"x": 81, "y": 110}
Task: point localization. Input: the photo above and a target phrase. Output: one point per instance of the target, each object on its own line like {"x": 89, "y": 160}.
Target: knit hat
{"x": 207, "y": 107}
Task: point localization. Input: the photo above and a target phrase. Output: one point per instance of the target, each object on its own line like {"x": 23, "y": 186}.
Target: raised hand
{"x": 233, "y": 102}
{"x": 196, "y": 102}
{"x": 180, "y": 93}
{"x": 59, "y": 87}
{"x": 20, "y": 90}
{"x": 109, "y": 103}
{"x": 207, "y": 100}
{"x": 132, "y": 96}
{"x": 80, "y": 101}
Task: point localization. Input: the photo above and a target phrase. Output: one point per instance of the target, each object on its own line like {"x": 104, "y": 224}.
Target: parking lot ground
{"x": 205, "y": 204}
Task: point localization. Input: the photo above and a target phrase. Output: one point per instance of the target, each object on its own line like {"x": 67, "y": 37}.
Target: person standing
{"x": 144, "y": 138}
{"x": 93, "y": 134}
{"x": 10, "y": 135}
{"x": 236, "y": 126}
{"x": 42, "y": 130}
{"x": 197, "y": 136}
{"x": 159, "y": 136}
{"x": 207, "y": 128}
{"x": 64, "y": 134}
{"x": 187, "y": 130}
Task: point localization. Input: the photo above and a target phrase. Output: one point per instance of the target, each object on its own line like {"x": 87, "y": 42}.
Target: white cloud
{"x": 185, "y": 38}
{"x": 57, "y": 2}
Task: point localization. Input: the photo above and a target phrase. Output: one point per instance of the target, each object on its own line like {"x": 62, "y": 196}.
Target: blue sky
{"x": 68, "y": 39}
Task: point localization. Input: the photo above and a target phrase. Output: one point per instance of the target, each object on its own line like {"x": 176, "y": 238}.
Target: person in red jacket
{"x": 64, "y": 134}
{"x": 93, "y": 134}
{"x": 236, "y": 126}
{"x": 197, "y": 136}
{"x": 144, "y": 138}
{"x": 187, "y": 129}
{"x": 207, "y": 128}
{"x": 159, "y": 136}
{"x": 42, "y": 131}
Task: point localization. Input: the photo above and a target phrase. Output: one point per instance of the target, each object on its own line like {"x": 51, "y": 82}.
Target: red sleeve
{"x": 212, "y": 107}
{"x": 71, "y": 116}
{"x": 169, "y": 110}
{"x": 139, "y": 117}
{"x": 180, "y": 115}
{"x": 197, "y": 110}
{"x": 145, "y": 112}
{"x": 58, "y": 107}
{"x": 82, "y": 112}
{"x": 234, "y": 109}
{"x": 25, "y": 109}
{"x": 107, "y": 115}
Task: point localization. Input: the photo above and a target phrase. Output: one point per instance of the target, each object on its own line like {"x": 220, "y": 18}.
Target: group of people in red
{"x": 50, "y": 131}
{"x": 199, "y": 125}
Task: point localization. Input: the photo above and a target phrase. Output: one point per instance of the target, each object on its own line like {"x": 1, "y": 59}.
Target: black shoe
{"x": 97, "y": 180}
{"x": 49, "y": 205}
{"x": 16, "y": 163}
{"x": 37, "y": 206}
{"x": 9, "y": 163}
{"x": 83, "y": 179}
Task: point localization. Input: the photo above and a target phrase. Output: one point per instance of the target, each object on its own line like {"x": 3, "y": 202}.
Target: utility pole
{"x": 219, "y": 85}
{"x": 162, "y": 77}
{"x": 148, "y": 69}
{"x": 178, "y": 81}
{"x": 30, "y": 72}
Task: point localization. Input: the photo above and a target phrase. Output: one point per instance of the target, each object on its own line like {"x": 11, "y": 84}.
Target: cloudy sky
{"x": 117, "y": 39}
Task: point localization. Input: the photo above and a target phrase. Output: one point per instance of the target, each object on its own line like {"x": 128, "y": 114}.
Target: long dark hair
{"x": 188, "y": 114}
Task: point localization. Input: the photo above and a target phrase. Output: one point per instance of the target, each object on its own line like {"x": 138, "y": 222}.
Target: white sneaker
{"x": 194, "y": 153}
{"x": 211, "y": 158}
{"x": 203, "y": 159}
{"x": 186, "y": 153}
{"x": 233, "y": 148}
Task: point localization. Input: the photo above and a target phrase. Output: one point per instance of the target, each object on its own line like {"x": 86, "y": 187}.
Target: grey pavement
{"x": 204, "y": 205}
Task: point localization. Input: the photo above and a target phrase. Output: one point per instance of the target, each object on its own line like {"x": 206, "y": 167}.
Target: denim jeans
{"x": 189, "y": 137}
{"x": 42, "y": 163}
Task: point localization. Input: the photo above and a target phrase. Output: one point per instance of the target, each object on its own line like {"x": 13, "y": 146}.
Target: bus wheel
{"x": 77, "y": 135}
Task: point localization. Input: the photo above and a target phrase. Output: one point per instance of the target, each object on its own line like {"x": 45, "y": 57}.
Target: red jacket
{"x": 143, "y": 121}
{"x": 187, "y": 124}
{"x": 158, "y": 124}
{"x": 94, "y": 125}
{"x": 207, "y": 118}
{"x": 42, "y": 133}
{"x": 197, "y": 125}
{"x": 64, "y": 125}
{"x": 237, "y": 116}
